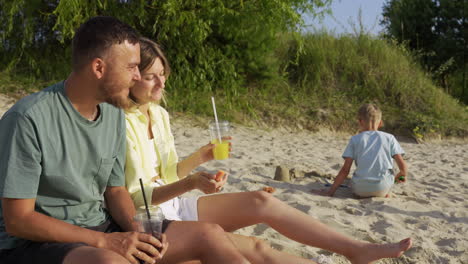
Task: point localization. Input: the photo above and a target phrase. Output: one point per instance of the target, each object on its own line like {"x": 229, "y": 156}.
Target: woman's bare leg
{"x": 235, "y": 210}
{"x": 259, "y": 252}
{"x": 205, "y": 242}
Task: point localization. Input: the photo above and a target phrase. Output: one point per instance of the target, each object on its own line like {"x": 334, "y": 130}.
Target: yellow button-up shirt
{"x": 137, "y": 164}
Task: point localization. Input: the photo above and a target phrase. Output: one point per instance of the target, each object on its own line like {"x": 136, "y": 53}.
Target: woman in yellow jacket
{"x": 151, "y": 156}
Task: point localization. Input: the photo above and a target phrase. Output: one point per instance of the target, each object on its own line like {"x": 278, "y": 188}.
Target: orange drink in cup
{"x": 221, "y": 149}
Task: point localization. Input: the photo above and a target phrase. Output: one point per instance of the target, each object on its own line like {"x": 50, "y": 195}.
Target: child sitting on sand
{"x": 372, "y": 150}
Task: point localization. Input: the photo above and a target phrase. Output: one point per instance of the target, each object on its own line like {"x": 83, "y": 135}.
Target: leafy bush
{"x": 250, "y": 54}
{"x": 213, "y": 46}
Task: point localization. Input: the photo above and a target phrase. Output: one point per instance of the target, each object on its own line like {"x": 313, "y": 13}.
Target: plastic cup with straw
{"x": 146, "y": 205}
{"x": 221, "y": 149}
{"x": 216, "y": 118}
{"x": 147, "y": 223}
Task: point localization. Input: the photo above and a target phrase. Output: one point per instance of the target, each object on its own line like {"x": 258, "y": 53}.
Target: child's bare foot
{"x": 373, "y": 252}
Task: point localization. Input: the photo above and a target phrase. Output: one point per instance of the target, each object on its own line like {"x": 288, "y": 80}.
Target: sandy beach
{"x": 5, "y": 104}
{"x": 432, "y": 207}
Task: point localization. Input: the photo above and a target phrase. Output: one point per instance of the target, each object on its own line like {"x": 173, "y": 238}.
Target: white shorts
{"x": 179, "y": 208}
{"x": 365, "y": 188}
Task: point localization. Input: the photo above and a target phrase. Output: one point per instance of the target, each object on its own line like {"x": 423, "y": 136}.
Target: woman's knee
{"x": 263, "y": 201}
{"x": 262, "y": 249}
{"x": 260, "y": 245}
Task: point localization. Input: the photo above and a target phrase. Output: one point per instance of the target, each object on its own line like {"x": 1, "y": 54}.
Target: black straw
{"x": 146, "y": 205}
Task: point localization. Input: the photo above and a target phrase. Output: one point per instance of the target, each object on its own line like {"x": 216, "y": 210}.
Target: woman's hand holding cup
{"x": 206, "y": 152}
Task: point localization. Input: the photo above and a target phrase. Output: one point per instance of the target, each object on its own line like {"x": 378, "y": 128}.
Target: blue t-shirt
{"x": 373, "y": 153}
{"x": 51, "y": 153}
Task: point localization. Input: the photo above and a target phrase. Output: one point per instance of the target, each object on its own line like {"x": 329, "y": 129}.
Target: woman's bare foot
{"x": 373, "y": 252}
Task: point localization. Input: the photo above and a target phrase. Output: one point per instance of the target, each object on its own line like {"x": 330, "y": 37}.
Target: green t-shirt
{"x": 49, "y": 152}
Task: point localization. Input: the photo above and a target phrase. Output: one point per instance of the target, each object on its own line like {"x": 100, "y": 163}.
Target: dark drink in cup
{"x": 152, "y": 225}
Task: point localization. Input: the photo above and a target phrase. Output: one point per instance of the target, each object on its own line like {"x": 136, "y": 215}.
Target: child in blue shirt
{"x": 372, "y": 151}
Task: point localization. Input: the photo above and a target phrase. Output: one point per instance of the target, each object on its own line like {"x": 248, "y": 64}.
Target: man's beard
{"x": 109, "y": 96}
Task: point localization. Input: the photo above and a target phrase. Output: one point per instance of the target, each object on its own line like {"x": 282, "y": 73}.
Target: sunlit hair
{"x": 149, "y": 52}
{"x": 369, "y": 113}
{"x": 94, "y": 38}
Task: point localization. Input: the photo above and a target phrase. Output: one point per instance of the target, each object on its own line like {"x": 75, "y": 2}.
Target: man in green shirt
{"x": 62, "y": 153}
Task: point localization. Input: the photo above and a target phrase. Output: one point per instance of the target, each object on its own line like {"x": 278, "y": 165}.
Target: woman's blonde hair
{"x": 149, "y": 52}
{"x": 369, "y": 113}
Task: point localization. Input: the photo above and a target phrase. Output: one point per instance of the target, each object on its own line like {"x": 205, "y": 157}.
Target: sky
{"x": 345, "y": 13}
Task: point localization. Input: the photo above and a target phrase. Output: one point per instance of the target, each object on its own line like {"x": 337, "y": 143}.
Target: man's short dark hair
{"x": 95, "y": 36}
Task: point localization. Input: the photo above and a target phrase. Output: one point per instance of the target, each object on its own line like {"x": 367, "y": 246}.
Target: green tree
{"x": 213, "y": 45}
{"x": 438, "y": 31}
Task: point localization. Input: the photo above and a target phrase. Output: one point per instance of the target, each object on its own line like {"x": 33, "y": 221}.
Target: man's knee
{"x": 196, "y": 235}
{"x": 93, "y": 255}
{"x": 209, "y": 230}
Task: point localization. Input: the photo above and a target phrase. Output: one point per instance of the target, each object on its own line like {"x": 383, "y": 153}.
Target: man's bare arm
{"x": 21, "y": 220}
{"x": 121, "y": 207}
